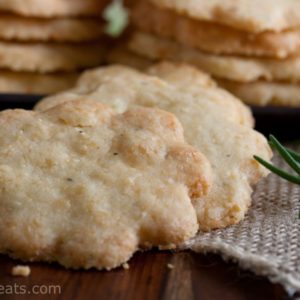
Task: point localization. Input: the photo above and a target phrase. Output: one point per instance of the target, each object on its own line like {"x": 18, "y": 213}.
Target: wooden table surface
{"x": 194, "y": 276}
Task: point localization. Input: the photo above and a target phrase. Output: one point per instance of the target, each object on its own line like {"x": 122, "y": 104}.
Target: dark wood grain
{"x": 194, "y": 276}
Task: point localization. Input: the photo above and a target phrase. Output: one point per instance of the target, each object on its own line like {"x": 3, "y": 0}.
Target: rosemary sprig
{"x": 283, "y": 174}
{"x": 291, "y": 157}
{"x": 294, "y": 154}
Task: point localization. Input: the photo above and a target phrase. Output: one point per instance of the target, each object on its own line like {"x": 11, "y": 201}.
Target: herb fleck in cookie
{"x": 86, "y": 187}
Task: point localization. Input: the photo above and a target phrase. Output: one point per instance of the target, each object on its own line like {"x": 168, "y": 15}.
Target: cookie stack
{"x": 151, "y": 158}
{"x": 44, "y": 44}
{"x": 252, "y": 48}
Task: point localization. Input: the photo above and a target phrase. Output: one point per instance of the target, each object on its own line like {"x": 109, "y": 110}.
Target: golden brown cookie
{"x": 262, "y": 93}
{"x": 17, "y": 28}
{"x": 248, "y": 15}
{"x": 236, "y": 68}
{"x": 228, "y": 146}
{"x": 212, "y": 37}
{"x": 192, "y": 81}
{"x": 87, "y": 187}
{"x": 50, "y": 57}
{"x": 54, "y": 8}
{"x": 33, "y": 83}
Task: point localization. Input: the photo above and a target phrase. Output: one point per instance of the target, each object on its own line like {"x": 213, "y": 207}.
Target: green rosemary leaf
{"x": 295, "y": 154}
{"x": 285, "y": 154}
{"x": 278, "y": 171}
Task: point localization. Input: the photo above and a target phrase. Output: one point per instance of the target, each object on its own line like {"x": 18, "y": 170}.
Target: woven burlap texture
{"x": 267, "y": 242}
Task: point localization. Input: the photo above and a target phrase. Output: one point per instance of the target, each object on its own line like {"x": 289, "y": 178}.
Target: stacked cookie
{"x": 252, "y": 48}
{"x": 45, "y": 44}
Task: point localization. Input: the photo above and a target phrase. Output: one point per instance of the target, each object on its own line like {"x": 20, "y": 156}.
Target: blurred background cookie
{"x": 18, "y": 28}
{"x": 54, "y": 8}
{"x": 48, "y": 39}
{"x": 35, "y": 83}
{"x": 245, "y": 46}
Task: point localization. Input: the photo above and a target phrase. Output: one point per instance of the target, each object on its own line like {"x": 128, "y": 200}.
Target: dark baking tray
{"x": 18, "y": 101}
{"x": 283, "y": 122}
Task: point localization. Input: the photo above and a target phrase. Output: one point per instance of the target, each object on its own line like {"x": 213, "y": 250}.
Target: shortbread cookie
{"x": 185, "y": 77}
{"x": 211, "y": 37}
{"x": 33, "y": 83}
{"x": 248, "y": 15}
{"x": 18, "y": 28}
{"x": 264, "y": 93}
{"x": 86, "y": 187}
{"x": 54, "y": 8}
{"x": 242, "y": 69}
{"x": 50, "y": 57}
{"x": 191, "y": 80}
{"x": 228, "y": 146}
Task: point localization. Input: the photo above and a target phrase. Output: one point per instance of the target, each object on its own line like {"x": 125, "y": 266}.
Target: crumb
{"x": 23, "y": 271}
{"x": 170, "y": 266}
{"x": 126, "y": 266}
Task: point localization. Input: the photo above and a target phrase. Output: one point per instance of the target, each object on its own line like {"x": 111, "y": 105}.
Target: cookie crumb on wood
{"x": 170, "y": 266}
{"x": 23, "y": 271}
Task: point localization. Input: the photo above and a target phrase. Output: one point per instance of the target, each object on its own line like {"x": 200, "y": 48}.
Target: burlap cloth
{"x": 267, "y": 242}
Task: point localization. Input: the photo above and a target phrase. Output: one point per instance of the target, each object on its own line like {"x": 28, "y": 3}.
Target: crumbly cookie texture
{"x": 23, "y": 271}
{"x": 236, "y": 68}
{"x": 248, "y": 15}
{"x": 87, "y": 187}
{"x": 213, "y": 37}
{"x": 228, "y": 145}
{"x": 54, "y": 8}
